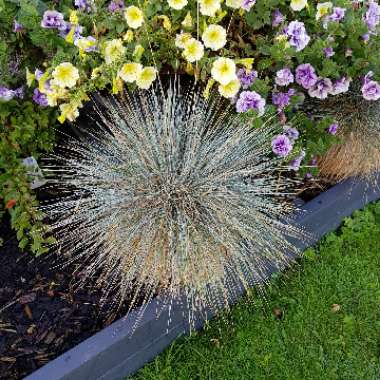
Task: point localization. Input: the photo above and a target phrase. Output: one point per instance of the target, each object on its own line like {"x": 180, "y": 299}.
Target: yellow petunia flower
{"x": 117, "y": 85}
{"x": 65, "y": 75}
{"x": 130, "y": 71}
{"x": 85, "y": 44}
{"x": 114, "y": 50}
{"x": 193, "y": 50}
{"x": 177, "y": 4}
{"x": 298, "y": 5}
{"x": 146, "y": 77}
{"x": 134, "y": 17}
{"x": 181, "y": 39}
{"x": 96, "y": 72}
{"x": 224, "y": 70}
{"x": 73, "y": 18}
{"x": 323, "y": 9}
{"x": 30, "y": 77}
{"x": 235, "y": 4}
{"x": 54, "y": 93}
{"x": 166, "y": 22}
{"x": 230, "y": 89}
{"x": 189, "y": 68}
{"x": 69, "y": 112}
{"x": 128, "y": 37}
{"x": 209, "y": 7}
{"x": 187, "y": 22}
{"x": 206, "y": 92}
{"x": 138, "y": 52}
{"x": 246, "y": 62}
{"x": 70, "y": 36}
{"x": 214, "y": 37}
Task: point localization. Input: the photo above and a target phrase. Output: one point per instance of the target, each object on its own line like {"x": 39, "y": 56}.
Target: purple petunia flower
{"x": 341, "y": 86}
{"x": 84, "y": 5}
{"x": 298, "y": 37}
{"x": 281, "y": 145}
{"x": 52, "y": 20}
{"x": 17, "y": 27}
{"x": 250, "y": 100}
{"x": 333, "y": 128}
{"x": 366, "y": 37}
{"x": 40, "y": 98}
{"x": 6, "y": 93}
{"x": 291, "y": 132}
{"x": 322, "y": 88}
{"x": 314, "y": 161}
{"x": 372, "y": 16}
{"x": 89, "y": 38}
{"x": 65, "y": 29}
{"x": 308, "y": 176}
{"x": 296, "y": 162}
{"x": 282, "y": 99}
{"x": 306, "y": 75}
{"x": 38, "y": 74}
{"x": 116, "y": 6}
{"x": 248, "y": 4}
{"x": 371, "y": 90}
{"x": 277, "y": 18}
{"x": 19, "y": 92}
{"x": 337, "y": 14}
{"x": 284, "y": 77}
{"x": 329, "y": 52}
{"x": 246, "y": 78}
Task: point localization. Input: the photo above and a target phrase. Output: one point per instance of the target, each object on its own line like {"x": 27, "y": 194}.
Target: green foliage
{"x": 25, "y": 130}
{"x": 322, "y": 321}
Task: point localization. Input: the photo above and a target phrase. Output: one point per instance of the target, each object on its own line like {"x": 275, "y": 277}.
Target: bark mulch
{"x": 41, "y": 316}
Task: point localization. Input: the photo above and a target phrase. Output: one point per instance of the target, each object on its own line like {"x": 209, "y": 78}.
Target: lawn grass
{"x": 319, "y": 321}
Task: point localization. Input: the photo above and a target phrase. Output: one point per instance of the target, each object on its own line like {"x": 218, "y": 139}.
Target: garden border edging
{"x": 113, "y": 353}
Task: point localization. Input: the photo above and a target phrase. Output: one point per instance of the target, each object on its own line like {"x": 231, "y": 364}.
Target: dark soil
{"x": 41, "y": 316}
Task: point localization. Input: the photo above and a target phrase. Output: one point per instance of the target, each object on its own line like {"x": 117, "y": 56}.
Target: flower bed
{"x": 265, "y": 55}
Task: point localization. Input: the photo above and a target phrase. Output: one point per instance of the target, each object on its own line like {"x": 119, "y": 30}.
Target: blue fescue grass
{"x": 320, "y": 321}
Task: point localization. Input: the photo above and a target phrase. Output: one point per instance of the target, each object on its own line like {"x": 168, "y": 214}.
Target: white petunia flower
{"x": 177, "y": 4}
{"x": 193, "y": 50}
{"x": 214, "y": 37}
{"x": 224, "y": 70}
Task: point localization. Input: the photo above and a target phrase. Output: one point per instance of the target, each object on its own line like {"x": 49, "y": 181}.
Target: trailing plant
{"x": 171, "y": 194}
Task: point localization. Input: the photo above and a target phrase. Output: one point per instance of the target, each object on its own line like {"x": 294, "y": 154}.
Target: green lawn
{"x": 329, "y": 328}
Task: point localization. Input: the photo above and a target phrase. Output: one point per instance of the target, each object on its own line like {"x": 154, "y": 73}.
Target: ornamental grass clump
{"x": 357, "y": 124}
{"x": 171, "y": 195}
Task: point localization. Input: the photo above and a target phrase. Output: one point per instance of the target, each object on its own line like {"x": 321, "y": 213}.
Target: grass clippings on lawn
{"x": 321, "y": 321}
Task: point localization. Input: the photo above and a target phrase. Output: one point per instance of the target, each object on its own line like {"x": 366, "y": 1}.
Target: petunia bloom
{"x": 281, "y": 145}
{"x": 250, "y": 100}
{"x": 306, "y": 75}
{"x": 52, "y": 20}
{"x": 246, "y": 78}
{"x": 298, "y": 37}
{"x": 284, "y": 77}
{"x": 321, "y": 89}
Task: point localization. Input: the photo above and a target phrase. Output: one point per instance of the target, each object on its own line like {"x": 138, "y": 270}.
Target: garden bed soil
{"x": 41, "y": 316}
